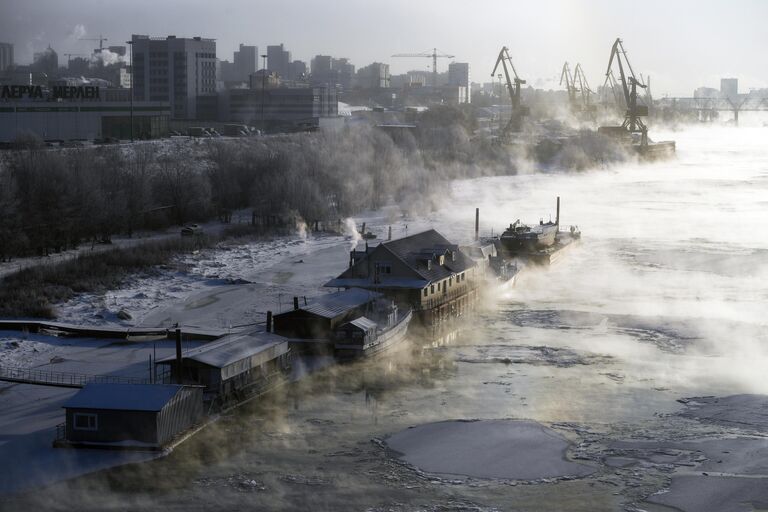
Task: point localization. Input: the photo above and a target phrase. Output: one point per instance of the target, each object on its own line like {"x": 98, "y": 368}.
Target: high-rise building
{"x": 181, "y": 71}
{"x": 458, "y": 75}
{"x": 729, "y": 87}
{"x": 6, "y": 56}
{"x": 345, "y": 72}
{"x": 298, "y": 70}
{"x": 246, "y": 62}
{"x": 322, "y": 70}
{"x": 46, "y": 62}
{"x": 278, "y": 60}
{"x": 373, "y": 76}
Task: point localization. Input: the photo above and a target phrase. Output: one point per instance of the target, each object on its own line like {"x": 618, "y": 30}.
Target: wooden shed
{"x": 324, "y": 314}
{"x": 130, "y": 416}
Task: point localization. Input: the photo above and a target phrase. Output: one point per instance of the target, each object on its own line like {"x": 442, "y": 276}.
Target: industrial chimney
{"x": 477, "y": 223}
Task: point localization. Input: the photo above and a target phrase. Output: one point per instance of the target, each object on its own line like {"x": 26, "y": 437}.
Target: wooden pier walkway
{"x": 61, "y": 379}
{"x": 110, "y": 332}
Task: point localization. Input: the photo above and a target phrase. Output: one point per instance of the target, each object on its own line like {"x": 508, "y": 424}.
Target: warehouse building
{"x": 130, "y": 416}
{"x": 61, "y": 113}
{"x": 279, "y": 108}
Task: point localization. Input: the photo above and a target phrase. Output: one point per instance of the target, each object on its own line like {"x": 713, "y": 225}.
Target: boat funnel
{"x": 557, "y": 215}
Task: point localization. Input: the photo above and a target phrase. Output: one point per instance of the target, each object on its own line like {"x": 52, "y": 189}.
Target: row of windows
{"x": 200, "y": 55}
{"x": 442, "y": 286}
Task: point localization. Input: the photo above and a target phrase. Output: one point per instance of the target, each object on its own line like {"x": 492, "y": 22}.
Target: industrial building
{"x": 279, "y": 108}
{"x": 79, "y": 113}
{"x": 130, "y": 416}
{"x": 179, "y": 71}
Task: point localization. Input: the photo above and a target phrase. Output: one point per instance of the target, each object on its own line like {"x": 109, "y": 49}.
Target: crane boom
{"x": 629, "y": 85}
{"x": 513, "y": 86}
{"x": 570, "y": 85}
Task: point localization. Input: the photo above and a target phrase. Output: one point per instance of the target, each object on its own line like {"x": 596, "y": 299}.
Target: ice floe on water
{"x": 495, "y": 449}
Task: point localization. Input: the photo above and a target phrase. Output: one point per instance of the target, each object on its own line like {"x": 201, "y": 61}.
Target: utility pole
{"x": 130, "y": 43}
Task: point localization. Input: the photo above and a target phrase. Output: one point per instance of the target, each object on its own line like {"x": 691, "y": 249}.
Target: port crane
{"x": 580, "y": 78}
{"x": 570, "y": 86}
{"x": 629, "y": 85}
{"x": 513, "y": 86}
{"x": 434, "y": 55}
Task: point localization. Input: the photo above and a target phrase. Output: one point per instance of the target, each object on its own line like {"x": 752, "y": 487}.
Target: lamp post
{"x": 263, "y": 89}
{"x": 133, "y": 76}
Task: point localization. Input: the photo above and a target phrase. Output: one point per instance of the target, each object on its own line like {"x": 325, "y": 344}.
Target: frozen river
{"x": 665, "y": 299}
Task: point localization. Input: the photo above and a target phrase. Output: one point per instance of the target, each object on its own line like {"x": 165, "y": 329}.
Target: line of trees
{"x": 53, "y": 200}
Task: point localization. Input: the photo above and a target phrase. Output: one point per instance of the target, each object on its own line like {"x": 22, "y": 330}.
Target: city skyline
{"x": 540, "y": 37}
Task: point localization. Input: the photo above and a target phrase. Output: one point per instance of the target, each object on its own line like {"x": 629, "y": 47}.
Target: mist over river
{"x": 664, "y": 299}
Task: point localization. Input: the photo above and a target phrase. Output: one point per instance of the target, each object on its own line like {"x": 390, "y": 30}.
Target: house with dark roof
{"x": 424, "y": 271}
{"x": 318, "y": 318}
{"x": 130, "y": 416}
{"x": 231, "y": 368}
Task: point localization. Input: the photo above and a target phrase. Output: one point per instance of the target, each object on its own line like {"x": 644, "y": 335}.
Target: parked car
{"x": 192, "y": 230}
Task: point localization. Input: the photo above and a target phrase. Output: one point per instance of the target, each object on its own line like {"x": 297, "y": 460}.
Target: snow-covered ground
{"x": 225, "y": 286}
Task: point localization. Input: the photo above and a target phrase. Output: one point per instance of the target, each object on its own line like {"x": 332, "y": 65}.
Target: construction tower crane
{"x": 570, "y": 86}
{"x": 100, "y": 39}
{"x": 629, "y": 84}
{"x": 513, "y": 86}
{"x": 434, "y": 55}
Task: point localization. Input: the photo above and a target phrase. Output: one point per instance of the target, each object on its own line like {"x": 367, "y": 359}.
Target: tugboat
{"x": 523, "y": 238}
{"x": 382, "y": 329}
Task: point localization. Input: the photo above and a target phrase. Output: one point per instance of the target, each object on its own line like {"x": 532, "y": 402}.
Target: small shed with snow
{"x": 131, "y": 415}
{"x": 318, "y": 319}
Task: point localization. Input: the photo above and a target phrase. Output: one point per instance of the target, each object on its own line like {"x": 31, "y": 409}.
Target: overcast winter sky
{"x": 681, "y": 44}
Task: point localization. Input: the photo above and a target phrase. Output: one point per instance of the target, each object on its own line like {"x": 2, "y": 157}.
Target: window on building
{"x": 432, "y": 289}
{"x": 85, "y": 421}
{"x": 426, "y": 292}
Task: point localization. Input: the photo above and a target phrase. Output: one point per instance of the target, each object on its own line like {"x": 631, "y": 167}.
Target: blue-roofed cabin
{"x": 131, "y": 416}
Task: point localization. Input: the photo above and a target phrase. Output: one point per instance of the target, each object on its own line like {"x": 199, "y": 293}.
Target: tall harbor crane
{"x": 434, "y": 55}
{"x": 629, "y": 84}
{"x": 570, "y": 86}
{"x": 513, "y": 86}
{"x": 581, "y": 79}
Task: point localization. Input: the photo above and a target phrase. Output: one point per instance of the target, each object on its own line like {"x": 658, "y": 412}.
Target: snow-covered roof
{"x": 387, "y": 282}
{"x": 364, "y": 323}
{"x": 234, "y": 348}
{"x": 338, "y": 303}
{"x": 123, "y": 397}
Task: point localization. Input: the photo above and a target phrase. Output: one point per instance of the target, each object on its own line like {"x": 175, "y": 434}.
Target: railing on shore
{"x": 61, "y": 379}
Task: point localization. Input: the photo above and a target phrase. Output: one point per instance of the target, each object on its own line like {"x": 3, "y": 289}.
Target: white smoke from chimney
{"x": 350, "y": 230}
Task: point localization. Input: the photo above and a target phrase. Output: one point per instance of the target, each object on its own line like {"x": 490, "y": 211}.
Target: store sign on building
{"x": 36, "y": 92}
